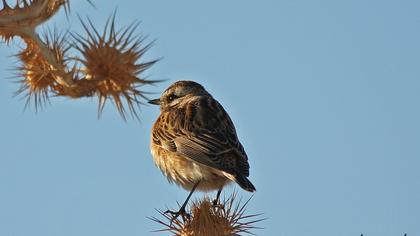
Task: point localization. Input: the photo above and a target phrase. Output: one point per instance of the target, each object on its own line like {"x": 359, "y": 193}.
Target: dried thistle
{"x": 29, "y": 15}
{"x": 108, "y": 66}
{"x": 110, "y": 62}
{"x": 38, "y": 76}
{"x": 225, "y": 219}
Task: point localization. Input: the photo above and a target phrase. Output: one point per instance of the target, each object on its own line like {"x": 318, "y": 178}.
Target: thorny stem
{"x": 32, "y": 14}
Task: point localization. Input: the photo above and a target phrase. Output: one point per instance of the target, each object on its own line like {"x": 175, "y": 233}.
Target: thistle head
{"x": 110, "y": 62}
{"x": 225, "y": 219}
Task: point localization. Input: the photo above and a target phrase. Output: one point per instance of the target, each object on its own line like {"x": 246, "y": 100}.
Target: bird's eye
{"x": 171, "y": 97}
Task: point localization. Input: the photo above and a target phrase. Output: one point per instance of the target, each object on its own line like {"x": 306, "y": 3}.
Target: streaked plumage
{"x": 194, "y": 140}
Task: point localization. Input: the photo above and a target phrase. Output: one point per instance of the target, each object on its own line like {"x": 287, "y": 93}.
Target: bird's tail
{"x": 244, "y": 183}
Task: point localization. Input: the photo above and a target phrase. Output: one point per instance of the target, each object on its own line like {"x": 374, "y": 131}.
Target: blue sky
{"x": 325, "y": 96}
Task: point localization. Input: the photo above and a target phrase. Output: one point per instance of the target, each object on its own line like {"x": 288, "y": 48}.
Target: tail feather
{"x": 244, "y": 183}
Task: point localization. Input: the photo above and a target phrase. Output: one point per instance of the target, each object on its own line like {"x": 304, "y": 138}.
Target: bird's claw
{"x": 175, "y": 214}
{"x": 217, "y": 204}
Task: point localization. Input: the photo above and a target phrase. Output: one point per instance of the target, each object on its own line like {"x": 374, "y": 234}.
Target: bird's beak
{"x": 155, "y": 101}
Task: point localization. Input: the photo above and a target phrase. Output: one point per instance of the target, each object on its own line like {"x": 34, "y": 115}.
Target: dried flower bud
{"x": 39, "y": 77}
{"x": 206, "y": 219}
{"x": 110, "y": 61}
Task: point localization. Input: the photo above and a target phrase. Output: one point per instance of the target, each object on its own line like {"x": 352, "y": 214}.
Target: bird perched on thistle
{"x": 194, "y": 142}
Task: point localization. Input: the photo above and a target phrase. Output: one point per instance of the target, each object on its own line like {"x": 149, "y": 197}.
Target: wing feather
{"x": 201, "y": 130}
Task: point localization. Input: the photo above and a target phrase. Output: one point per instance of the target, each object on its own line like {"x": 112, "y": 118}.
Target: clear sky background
{"x": 325, "y": 96}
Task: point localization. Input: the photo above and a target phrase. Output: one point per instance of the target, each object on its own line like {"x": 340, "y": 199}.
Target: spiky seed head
{"x": 39, "y": 77}
{"x": 225, "y": 219}
{"x": 110, "y": 60}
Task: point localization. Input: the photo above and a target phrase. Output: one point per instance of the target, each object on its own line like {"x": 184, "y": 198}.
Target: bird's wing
{"x": 202, "y": 131}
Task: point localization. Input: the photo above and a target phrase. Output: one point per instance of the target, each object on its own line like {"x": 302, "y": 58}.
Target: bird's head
{"x": 178, "y": 92}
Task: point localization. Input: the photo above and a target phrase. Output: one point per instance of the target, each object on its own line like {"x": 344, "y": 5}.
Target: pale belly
{"x": 186, "y": 172}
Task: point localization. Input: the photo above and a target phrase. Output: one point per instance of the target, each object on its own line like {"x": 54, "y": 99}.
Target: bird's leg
{"x": 215, "y": 201}
{"x": 181, "y": 210}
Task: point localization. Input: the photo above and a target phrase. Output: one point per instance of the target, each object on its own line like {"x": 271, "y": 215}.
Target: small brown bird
{"x": 194, "y": 142}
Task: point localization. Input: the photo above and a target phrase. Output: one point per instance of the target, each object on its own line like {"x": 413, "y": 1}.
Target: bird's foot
{"x": 217, "y": 204}
{"x": 175, "y": 214}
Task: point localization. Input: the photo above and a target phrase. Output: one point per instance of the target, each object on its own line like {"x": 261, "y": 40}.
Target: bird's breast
{"x": 186, "y": 172}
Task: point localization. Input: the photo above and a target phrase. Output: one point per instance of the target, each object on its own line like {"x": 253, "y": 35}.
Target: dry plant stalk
{"x": 225, "y": 219}
{"x": 107, "y": 67}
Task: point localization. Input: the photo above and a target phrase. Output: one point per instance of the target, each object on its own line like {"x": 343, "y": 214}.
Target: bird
{"x": 194, "y": 142}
